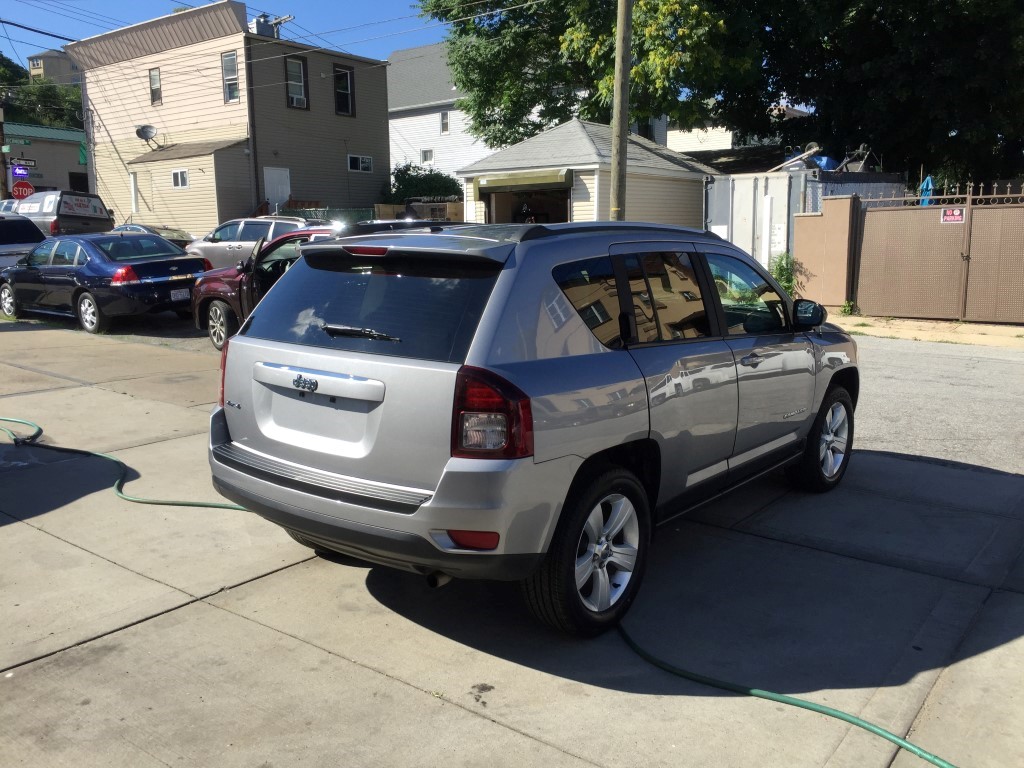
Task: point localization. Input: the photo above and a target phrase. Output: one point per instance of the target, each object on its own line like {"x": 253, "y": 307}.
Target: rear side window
{"x": 666, "y": 297}
{"x": 13, "y": 231}
{"x": 589, "y": 286}
{"x": 422, "y": 306}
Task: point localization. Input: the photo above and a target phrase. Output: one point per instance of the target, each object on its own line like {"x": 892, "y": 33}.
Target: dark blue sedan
{"x": 97, "y": 277}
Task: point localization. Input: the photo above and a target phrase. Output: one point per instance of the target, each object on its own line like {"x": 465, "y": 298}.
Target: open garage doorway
{"x": 543, "y": 206}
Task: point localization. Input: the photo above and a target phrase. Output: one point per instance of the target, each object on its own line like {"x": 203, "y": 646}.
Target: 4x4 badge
{"x": 301, "y": 382}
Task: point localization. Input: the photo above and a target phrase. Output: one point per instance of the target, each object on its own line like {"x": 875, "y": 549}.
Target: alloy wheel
{"x": 835, "y": 436}
{"x": 7, "y": 300}
{"x": 607, "y": 552}
{"x": 218, "y": 325}
{"x": 88, "y": 312}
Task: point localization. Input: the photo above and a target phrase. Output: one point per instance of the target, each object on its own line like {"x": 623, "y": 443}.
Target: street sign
{"x": 26, "y": 142}
{"x": 25, "y": 161}
{"x": 21, "y": 190}
{"x": 18, "y": 172}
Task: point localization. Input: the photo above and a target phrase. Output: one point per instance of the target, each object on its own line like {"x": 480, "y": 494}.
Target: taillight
{"x": 491, "y": 418}
{"x": 54, "y": 229}
{"x": 207, "y": 266}
{"x": 124, "y": 276}
{"x": 223, "y": 368}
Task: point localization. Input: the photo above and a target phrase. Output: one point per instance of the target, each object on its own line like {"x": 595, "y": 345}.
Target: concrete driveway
{"x": 140, "y": 635}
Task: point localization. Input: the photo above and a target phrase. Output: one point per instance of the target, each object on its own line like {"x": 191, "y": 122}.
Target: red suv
{"x": 223, "y": 298}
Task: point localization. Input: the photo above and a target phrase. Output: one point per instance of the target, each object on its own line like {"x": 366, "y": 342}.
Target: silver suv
{"x": 524, "y": 402}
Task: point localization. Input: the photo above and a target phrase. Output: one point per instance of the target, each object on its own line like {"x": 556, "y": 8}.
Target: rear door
{"x": 375, "y": 404}
{"x": 676, "y": 343}
{"x": 774, "y": 365}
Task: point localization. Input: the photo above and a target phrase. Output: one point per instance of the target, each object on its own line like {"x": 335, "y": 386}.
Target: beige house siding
{"x": 192, "y": 109}
{"x": 665, "y": 200}
{"x": 474, "y": 210}
{"x": 192, "y": 207}
{"x": 314, "y": 144}
{"x": 583, "y": 196}
{"x": 699, "y": 139}
{"x": 235, "y": 191}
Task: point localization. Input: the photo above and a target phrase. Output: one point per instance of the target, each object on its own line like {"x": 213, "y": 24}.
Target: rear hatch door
{"x": 348, "y": 365}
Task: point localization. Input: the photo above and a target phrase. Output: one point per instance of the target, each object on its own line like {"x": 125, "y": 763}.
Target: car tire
{"x": 90, "y": 316}
{"x": 220, "y": 323}
{"x": 829, "y": 445}
{"x": 594, "y": 566}
{"x": 9, "y": 302}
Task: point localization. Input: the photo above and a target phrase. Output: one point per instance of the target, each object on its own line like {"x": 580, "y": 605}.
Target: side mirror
{"x": 244, "y": 265}
{"x": 808, "y": 314}
{"x": 22, "y": 262}
{"x": 212, "y": 238}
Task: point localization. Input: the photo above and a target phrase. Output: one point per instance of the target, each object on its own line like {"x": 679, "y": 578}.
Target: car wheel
{"x": 829, "y": 445}
{"x": 596, "y": 561}
{"x": 8, "y": 303}
{"x": 90, "y": 316}
{"x": 221, "y": 323}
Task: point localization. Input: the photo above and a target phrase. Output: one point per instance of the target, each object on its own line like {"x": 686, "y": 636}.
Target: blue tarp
{"x": 926, "y": 189}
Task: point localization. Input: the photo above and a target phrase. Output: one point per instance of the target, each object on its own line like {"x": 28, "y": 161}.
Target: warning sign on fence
{"x": 952, "y": 215}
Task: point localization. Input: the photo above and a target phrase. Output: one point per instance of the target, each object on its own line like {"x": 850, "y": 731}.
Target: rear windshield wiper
{"x": 361, "y": 333}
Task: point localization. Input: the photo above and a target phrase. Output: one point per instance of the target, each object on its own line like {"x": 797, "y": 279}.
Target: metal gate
{"x": 958, "y": 257}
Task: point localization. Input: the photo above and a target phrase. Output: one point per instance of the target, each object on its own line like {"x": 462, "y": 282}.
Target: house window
{"x": 155, "y": 92}
{"x": 35, "y": 63}
{"x": 360, "y": 163}
{"x": 343, "y": 90}
{"x": 297, "y": 84}
{"x": 444, "y": 122}
{"x": 179, "y": 179}
{"x": 426, "y": 156}
{"x": 229, "y": 75}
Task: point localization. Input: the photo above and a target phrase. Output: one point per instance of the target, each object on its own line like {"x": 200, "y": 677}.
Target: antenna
{"x": 148, "y": 134}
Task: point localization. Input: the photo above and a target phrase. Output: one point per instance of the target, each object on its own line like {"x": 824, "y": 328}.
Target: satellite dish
{"x": 145, "y": 132}
{"x": 812, "y": 146}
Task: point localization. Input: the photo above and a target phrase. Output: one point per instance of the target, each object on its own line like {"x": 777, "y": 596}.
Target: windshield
{"x": 130, "y": 248}
{"x": 14, "y": 231}
{"x": 423, "y": 306}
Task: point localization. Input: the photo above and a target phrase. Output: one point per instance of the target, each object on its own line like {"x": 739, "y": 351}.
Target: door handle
{"x": 752, "y": 360}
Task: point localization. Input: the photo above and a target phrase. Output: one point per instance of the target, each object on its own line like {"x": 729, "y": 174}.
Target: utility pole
{"x": 4, "y": 192}
{"x": 620, "y": 106}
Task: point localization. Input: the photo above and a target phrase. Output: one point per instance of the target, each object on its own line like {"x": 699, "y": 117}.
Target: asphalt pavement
{"x": 138, "y": 635}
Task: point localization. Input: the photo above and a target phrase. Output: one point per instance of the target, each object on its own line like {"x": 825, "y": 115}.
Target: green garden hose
{"x": 724, "y": 685}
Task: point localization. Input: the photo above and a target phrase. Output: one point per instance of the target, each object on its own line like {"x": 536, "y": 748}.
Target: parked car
{"x": 179, "y": 237}
{"x": 66, "y": 213}
{"x": 10, "y": 205}
{"x": 389, "y": 225}
{"x": 477, "y": 403}
{"x": 98, "y": 277}
{"x": 223, "y": 298}
{"x": 18, "y": 236}
{"x": 233, "y": 240}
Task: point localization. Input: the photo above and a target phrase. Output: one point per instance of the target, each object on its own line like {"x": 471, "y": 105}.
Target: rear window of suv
{"x": 16, "y": 231}
{"x": 419, "y": 306}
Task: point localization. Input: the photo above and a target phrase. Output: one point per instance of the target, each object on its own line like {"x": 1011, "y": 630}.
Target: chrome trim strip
{"x": 327, "y": 382}
{"x": 366, "y": 492}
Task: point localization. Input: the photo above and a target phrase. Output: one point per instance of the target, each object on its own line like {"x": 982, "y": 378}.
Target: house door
{"x": 278, "y": 185}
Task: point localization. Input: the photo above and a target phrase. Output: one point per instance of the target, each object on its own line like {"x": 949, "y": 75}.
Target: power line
{"x": 38, "y": 31}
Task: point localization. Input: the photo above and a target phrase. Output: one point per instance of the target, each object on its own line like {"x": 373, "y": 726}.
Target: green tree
{"x": 40, "y": 102}
{"x": 933, "y": 83}
{"x": 411, "y": 180}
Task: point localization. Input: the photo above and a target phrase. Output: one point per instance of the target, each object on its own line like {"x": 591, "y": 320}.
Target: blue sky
{"x": 372, "y": 29}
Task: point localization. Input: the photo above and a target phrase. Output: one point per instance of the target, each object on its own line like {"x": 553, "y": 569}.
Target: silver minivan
{"x": 524, "y": 402}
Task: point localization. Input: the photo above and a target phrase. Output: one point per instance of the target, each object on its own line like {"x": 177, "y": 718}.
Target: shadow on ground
{"x": 35, "y": 479}
{"x": 734, "y": 597}
{"x": 161, "y": 325}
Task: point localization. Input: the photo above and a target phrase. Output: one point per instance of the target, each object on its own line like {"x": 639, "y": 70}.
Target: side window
{"x": 40, "y": 257}
{"x": 254, "y": 230}
{"x": 281, "y": 227}
{"x": 228, "y": 232}
{"x": 750, "y": 304}
{"x": 64, "y": 254}
{"x": 590, "y": 287}
{"x": 666, "y": 297}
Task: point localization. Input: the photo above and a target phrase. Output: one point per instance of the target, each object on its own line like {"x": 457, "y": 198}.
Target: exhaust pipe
{"x": 436, "y": 579}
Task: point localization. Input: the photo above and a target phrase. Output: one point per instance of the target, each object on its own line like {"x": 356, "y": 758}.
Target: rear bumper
{"x": 138, "y": 300}
{"x": 520, "y": 500}
{"x": 396, "y": 549}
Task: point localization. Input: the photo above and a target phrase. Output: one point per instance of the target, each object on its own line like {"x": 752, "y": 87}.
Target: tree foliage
{"x": 42, "y": 102}
{"x": 933, "y": 83}
{"x": 409, "y": 180}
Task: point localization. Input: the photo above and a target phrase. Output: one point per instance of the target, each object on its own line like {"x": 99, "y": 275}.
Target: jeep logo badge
{"x": 301, "y": 382}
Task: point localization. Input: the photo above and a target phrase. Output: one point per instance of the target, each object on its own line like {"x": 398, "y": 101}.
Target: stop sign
{"x": 22, "y": 189}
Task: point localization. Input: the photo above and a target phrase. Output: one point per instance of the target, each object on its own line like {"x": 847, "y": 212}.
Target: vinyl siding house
{"x": 53, "y": 65}
{"x": 564, "y": 174}
{"x": 425, "y": 127}
{"x": 193, "y": 120}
